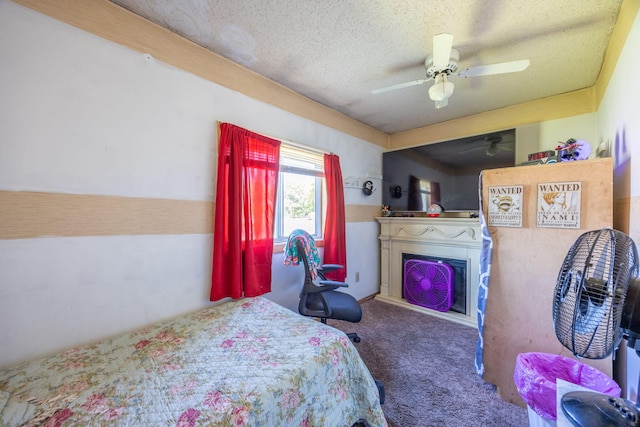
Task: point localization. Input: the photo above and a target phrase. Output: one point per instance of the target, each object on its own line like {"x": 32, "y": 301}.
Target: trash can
{"x": 535, "y": 377}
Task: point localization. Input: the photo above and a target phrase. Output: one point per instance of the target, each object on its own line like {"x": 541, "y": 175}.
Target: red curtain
{"x": 335, "y": 246}
{"x": 247, "y": 181}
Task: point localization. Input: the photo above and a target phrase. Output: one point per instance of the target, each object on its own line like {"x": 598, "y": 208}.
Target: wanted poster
{"x": 559, "y": 204}
{"x": 505, "y": 206}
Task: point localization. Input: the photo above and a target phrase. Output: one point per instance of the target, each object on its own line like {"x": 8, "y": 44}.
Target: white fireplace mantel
{"x": 457, "y": 238}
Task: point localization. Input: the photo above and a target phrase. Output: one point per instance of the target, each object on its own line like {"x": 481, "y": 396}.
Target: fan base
{"x": 591, "y": 409}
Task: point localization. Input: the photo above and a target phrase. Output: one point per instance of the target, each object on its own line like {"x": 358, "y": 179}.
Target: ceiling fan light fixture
{"x": 442, "y": 104}
{"x": 492, "y": 149}
{"x": 441, "y": 89}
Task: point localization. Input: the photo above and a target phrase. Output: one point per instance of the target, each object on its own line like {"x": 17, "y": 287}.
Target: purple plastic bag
{"x": 535, "y": 377}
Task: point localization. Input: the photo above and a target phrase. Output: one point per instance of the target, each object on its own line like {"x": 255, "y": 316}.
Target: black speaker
{"x": 367, "y": 188}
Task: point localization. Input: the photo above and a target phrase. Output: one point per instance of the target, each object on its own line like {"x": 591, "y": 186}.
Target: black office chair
{"x": 319, "y": 297}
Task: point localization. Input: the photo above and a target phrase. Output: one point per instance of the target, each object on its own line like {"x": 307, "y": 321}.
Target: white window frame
{"x": 290, "y": 155}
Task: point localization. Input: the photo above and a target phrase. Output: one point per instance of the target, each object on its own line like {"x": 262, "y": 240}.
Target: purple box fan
{"x": 428, "y": 284}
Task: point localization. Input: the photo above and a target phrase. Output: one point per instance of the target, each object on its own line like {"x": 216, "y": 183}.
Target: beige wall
{"x": 139, "y": 34}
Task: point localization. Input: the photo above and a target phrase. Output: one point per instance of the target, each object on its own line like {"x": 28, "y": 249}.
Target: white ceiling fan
{"x": 443, "y": 63}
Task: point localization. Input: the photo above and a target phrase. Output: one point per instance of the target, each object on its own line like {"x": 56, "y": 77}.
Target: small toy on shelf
{"x": 434, "y": 210}
{"x": 573, "y": 149}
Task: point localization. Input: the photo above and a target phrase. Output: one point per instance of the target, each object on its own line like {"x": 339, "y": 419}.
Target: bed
{"x": 246, "y": 362}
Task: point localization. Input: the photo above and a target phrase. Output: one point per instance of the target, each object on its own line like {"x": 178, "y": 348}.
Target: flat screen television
{"x": 445, "y": 173}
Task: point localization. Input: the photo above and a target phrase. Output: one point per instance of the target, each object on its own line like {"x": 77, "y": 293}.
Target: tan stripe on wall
{"x": 361, "y": 213}
{"x": 26, "y": 214}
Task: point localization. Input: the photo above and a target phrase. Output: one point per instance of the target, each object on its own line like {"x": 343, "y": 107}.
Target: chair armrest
{"x": 326, "y": 268}
{"x": 323, "y": 286}
{"x": 333, "y": 284}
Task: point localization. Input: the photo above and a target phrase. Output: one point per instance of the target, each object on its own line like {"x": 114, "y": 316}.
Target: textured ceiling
{"x": 337, "y": 51}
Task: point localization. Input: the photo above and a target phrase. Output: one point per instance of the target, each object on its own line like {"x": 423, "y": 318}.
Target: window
{"x": 422, "y": 193}
{"x": 300, "y": 190}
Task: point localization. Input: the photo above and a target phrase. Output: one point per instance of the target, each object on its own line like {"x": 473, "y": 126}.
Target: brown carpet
{"x": 426, "y": 366}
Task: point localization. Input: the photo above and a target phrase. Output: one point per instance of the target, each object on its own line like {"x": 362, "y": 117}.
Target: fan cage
{"x": 590, "y": 292}
{"x": 429, "y": 284}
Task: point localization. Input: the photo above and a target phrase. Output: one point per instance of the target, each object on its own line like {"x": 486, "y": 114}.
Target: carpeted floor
{"x": 426, "y": 365}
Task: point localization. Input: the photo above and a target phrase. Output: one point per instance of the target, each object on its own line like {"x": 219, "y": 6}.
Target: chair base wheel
{"x": 353, "y": 337}
{"x": 380, "y": 391}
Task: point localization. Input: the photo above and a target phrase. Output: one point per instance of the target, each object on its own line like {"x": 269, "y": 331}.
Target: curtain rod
{"x": 288, "y": 142}
{"x": 299, "y": 145}
{"x": 302, "y": 146}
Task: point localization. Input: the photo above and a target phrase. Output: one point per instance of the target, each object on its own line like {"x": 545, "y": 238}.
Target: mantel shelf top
{"x": 421, "y": 219}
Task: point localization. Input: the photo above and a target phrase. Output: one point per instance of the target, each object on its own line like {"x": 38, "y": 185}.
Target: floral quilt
{"x": 247, "y": 362}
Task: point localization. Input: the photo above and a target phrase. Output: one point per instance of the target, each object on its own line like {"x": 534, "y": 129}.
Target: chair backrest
{"x": 318, "y": 297}
{"x": 302, "y": 247}
{"x": 309, "y": 276}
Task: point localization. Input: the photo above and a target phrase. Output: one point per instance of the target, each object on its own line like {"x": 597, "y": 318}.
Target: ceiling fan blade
{"x": 400, "y": 86}
{"x": 442, "y": 44}
{"x": 472, "y": 149}
{"x": 505, "y": 147}
{"x": 500, "y": 68}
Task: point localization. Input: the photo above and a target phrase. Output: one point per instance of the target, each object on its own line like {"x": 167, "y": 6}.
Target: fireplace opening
{"x": 459, "y": 278}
